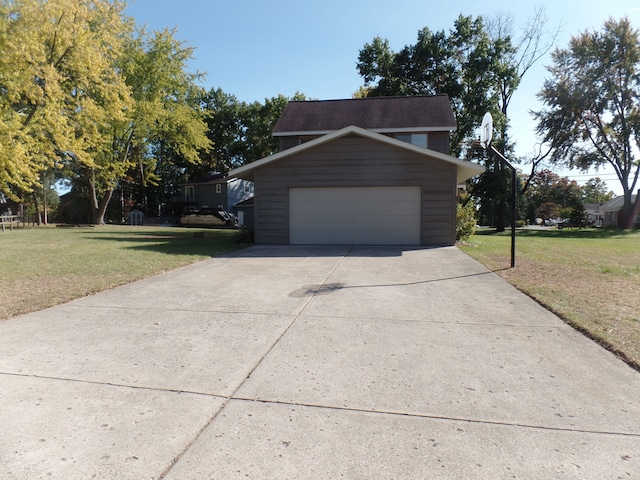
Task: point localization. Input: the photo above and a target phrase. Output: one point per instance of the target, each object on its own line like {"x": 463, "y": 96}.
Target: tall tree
{"x": 478, "y": 64}
{"x": 591, "y": 114}
{"x": 463, "y": 63}
{"x": 596, "y": 191}
{"x": 240, "y": 132}
{"x": 533, "y": 41}
{"x": 550, "y": 195}
{"x": 59, "y": 88}
{"x": 164, "y": 127}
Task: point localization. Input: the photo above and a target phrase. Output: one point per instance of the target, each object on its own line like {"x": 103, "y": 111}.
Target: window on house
{"x": 189, "y": 194}
{"x": 218, "y": 188}
{"x": 419, "y": 139}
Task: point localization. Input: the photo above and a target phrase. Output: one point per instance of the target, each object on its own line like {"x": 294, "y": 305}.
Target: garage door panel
{"x": 326, "y": 222}
{"x": 351, "y": 237}
{"x": 357, "y": 215}
{"x": 362, "y": 209}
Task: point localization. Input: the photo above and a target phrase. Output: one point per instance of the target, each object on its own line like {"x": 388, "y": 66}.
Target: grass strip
{"x": 45, "y": 266}
{"x": 589, "y": 277}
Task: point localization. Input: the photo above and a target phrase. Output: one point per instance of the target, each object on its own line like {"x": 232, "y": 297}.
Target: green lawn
{"x": 590, "y": 277}
{"x": 45, "y": 266}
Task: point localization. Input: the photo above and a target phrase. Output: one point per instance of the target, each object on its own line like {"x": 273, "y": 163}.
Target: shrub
{"x": 465, "y": 221}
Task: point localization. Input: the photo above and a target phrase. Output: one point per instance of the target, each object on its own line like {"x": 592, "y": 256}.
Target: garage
{"x": 356, "y": 187}
{"x": 380, "y": 215}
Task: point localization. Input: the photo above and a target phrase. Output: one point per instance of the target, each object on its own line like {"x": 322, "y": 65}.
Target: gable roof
{"x": 378, "y": 114}
{"x": 465, "y": 170}
{"x": 207, "y": 178}
{"x": 615, "y": 204}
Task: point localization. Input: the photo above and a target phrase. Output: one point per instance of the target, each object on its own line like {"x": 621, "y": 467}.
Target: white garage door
{"x": 354, "y": 216}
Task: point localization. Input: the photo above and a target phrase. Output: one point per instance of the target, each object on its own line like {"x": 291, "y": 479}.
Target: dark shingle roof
{"x": 380, "y": 114}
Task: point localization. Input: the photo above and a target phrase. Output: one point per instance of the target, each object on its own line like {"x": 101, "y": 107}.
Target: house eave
{"x": 465, "y": 169}
{"x": 445, "y": 128}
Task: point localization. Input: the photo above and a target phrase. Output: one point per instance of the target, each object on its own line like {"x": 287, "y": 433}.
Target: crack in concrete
{"x": 231, "y": 397}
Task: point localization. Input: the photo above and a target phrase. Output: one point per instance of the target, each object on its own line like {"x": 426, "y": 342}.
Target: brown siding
{"x": 351, "y": 162}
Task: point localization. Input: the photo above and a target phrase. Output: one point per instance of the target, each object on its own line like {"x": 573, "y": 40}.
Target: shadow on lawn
{"x": 196, "y": 242}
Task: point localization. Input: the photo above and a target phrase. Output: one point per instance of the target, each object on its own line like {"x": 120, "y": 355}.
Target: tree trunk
{"x": 630, "y": 219}
{"x": 36, "y": 206}
{"x": 98, "y": 208}
{"x": 99, "y": 212}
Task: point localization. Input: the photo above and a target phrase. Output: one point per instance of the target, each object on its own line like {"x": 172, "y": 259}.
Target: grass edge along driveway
{"x": 45, "y": 266}
{"x": 589, "y": 277}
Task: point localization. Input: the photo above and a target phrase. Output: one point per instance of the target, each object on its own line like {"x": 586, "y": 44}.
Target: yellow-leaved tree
{"x": 84, "y": 92}
{"x": 60, "y": 89}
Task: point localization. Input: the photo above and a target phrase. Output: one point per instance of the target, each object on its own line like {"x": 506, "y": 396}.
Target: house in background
{"x": 593, "y": 213}
{"x": 243, "y": 211}
{"x": 370, "y": 171}
{"x": 213, "y": 192}
{"x": 612, "y": 212}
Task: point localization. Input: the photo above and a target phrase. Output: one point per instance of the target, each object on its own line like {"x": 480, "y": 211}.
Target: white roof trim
{"x": 443, "y": 128}
{"x": 465, "y": 170}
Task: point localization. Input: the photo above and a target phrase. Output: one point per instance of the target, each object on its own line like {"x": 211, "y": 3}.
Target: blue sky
{"x": 255, "y": 49}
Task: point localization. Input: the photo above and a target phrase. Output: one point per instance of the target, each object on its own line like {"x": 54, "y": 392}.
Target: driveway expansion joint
{"x": 111, "y": 384}
{"x": 228, "y": 399}
{"x": 435, "y": 417}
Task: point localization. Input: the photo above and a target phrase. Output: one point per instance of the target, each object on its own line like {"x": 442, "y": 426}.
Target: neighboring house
{"x": 593, "y": 213}
{"x": 243, "y": 211}
{"x": 612, "y": 212}
{"x": 369, "y": 171}
{"x": 214, "y": 191}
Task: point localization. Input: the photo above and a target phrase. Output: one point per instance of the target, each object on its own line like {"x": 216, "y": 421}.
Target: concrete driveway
{"x": 313, "y": 363}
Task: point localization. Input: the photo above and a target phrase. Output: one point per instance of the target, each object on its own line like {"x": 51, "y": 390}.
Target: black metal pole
{"x": 513, "y": 204}
{"x": 513, "y": 217}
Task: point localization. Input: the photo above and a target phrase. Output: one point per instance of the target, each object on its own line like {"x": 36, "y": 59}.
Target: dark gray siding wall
{"x": 354, "y": 161}
{"x": 288, "y": 142}
{"x": 439, "y": 141}
{"x": 206, "y": 195}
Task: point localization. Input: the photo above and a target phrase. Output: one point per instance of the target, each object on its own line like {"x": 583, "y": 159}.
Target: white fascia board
{"x": 443, "y": 128}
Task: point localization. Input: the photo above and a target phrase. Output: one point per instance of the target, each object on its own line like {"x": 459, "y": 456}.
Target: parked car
{"x": 569, "y": 223}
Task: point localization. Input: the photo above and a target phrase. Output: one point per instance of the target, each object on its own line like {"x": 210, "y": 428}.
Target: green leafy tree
{"x": 240, "y": 132}
{"x": 551, "y": 196}
{"x": 591, "y": 114}
{"x": 463, "y": 63}
{"x": 161, "y": 132}
{"x": 596, "y": 191}
{"x": 480, "y": 66}
{"x": 166, "y": 131}
{"x": 81, "y": 90}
